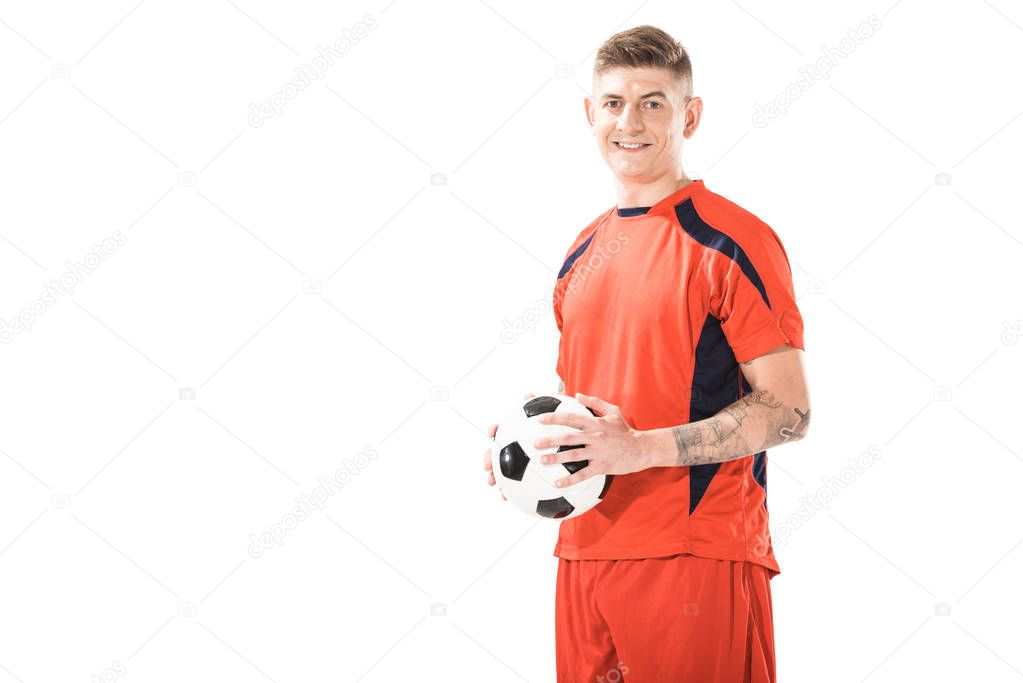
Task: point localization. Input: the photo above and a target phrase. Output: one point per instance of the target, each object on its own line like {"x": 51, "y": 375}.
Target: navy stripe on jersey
{"x": 711, "y": 237}
{"x": 716, "y": 378}
{"x": 567, "y": 266}
{"x": 714, "y": 387}
{"x": 574, "y": 255}
{"x": 633, "y": 211}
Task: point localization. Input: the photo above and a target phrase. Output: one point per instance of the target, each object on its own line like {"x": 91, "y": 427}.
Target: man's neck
{"x": 648, "y": 194}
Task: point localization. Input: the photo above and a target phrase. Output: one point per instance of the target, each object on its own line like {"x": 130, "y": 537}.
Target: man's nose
{"x": 629, "y": 120}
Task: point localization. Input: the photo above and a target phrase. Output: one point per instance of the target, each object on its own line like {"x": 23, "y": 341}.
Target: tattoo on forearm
{"x": 722, "y": 429}
{"x": 740, "y": 409}
{"x": 755, "y": 422}
{"x": 684, "y": 440}
{"x": 799, "y": 431}
{"x": 760, "y": 396}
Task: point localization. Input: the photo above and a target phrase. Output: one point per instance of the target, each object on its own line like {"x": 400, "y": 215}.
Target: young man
{"x": 679, "y": 328}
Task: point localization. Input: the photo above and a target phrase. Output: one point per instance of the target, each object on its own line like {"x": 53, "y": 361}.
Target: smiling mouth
{"x": 626, "y": 147}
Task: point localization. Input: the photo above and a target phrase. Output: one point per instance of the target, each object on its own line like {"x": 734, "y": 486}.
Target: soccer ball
{"x": 527, "y": 482}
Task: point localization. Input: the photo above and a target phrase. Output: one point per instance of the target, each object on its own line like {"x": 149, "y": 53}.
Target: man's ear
{"x": 694, "y": 110}
{"x": 590, "y": 112}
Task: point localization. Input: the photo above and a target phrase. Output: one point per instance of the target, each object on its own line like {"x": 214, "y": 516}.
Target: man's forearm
{"x": 755, "y": 422}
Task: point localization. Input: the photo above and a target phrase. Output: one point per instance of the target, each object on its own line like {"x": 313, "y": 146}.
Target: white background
{"x": 127, "y": 509}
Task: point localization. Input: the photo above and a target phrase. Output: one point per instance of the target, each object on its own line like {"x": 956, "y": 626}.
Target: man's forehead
{"x": 629, "y": 81}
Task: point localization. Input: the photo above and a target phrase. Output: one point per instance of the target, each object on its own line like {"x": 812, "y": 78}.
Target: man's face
{"x": 648, "y": 106}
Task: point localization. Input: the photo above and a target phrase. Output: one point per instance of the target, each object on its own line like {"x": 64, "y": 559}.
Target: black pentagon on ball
{"x": 554, "y": 508}
{"x": 541, "y": 404}
{"x": 573, "y": 467}
{"x": 607, "y": 485}
{"x": 513, "y": 461}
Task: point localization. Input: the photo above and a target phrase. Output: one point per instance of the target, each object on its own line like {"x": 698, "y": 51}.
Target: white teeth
{"x": 630, "y": 146}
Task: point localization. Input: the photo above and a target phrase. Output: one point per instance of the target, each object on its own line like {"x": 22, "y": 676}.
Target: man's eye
{"x": 655, "y": 105}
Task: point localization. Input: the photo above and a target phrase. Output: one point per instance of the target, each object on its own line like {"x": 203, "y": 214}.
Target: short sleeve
{"x": 751, "y": 293}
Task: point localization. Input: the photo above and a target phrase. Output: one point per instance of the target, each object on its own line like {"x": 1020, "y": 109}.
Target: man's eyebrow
{"x": 655, "y": 93}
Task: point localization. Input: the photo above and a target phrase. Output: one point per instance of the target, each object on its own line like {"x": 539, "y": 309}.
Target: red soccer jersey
{"x": 657, "y": 306}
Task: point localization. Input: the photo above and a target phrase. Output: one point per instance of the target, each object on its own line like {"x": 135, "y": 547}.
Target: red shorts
{"x": 677, "y": 618}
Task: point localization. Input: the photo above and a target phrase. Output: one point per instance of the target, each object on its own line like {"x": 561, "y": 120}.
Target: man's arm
{"x": 775, "y": 412}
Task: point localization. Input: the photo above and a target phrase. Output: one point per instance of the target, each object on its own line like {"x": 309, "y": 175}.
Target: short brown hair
{"x": 644, "y": 46}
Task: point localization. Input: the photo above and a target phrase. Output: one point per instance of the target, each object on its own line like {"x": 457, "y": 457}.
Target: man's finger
{"x": 572, "y": 455}
{"x": 570, "y": 439}
{"x": 584, "y": 422}
{"x": 598, "y": 404}
{"x": 492, "y": 431}
{"x": 581, "y": 475}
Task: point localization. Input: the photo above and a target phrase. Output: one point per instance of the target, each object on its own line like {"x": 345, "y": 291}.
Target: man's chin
{"x": 631, "y": 171}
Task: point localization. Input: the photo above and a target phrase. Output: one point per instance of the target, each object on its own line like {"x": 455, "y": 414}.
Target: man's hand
{"x": 612, "y": 446}
{"x": 488, "y": 464}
